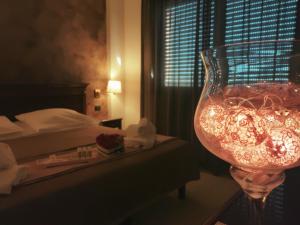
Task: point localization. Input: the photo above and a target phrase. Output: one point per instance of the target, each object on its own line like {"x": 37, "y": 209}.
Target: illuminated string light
{"x": 254, "y": 131}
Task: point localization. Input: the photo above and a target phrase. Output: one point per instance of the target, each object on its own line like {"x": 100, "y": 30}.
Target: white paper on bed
{"x": 7, "y": 127}
{"x": 55, "y": 119}
{"x": 141, "y": 135}
{"x": 10, "y": 173}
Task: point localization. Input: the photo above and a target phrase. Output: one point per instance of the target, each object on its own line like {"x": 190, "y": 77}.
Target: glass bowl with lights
{"x": 249, "y": 113}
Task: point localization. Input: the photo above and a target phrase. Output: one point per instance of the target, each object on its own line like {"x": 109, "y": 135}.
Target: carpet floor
{"x": 204, "y": 198}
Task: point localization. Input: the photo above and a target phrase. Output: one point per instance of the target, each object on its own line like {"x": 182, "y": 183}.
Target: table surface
{"x": 282, "y": 206}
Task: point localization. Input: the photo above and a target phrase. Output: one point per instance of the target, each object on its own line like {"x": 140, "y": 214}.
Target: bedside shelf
{"x": 114, "y": 123}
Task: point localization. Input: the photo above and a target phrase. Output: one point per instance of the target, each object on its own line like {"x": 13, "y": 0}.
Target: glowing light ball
{"x": 257, "y": 136}
{"x": 212, "y": 120}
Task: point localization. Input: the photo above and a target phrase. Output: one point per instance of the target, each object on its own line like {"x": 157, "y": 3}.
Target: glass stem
{"x": 256, "y": 210}
{"x": 257, "y": 184}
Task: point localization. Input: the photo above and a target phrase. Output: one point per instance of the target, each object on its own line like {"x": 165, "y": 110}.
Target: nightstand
{"x": 114, "y": 123}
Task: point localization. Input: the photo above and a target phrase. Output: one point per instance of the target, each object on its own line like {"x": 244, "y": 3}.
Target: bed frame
{"x": 107, "y": 193}
{"x": 21, "y": 98}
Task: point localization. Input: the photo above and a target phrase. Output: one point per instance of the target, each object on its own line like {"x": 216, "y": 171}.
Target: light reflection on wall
{"x": 54, "y": 41}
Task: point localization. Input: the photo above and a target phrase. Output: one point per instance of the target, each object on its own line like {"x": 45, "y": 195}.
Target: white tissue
{"x": 141, "y": 135}
{"x": 10, "y": 173}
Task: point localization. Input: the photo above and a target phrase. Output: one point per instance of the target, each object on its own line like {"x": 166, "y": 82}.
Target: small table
{"x": 114, "y": 123}
{"x": 282, "y": 205}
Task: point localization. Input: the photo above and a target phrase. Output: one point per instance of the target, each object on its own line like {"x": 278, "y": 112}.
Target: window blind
{"x": 188, "y": 28}
{"x": 259, "y": 20}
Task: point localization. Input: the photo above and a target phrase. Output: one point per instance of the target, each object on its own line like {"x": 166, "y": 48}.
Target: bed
{"x": 104, "y": 193}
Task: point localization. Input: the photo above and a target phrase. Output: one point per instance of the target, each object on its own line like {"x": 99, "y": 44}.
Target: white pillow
{"x": 55, "y": 119}
{"x": 7, "y": 127}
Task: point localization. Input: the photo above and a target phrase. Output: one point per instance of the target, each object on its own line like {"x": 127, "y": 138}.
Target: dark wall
{"x": 54, "y": 41}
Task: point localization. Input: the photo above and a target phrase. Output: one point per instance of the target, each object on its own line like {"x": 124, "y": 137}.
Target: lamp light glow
{"x": 114, "y": 86}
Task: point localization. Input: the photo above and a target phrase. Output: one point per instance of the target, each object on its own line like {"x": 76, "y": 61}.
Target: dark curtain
{"x": 172, "y": 108}
{"x": 297, "y": 36}
{"x": 152, "y": 14}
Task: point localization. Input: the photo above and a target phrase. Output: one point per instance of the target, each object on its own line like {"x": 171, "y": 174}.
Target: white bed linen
{"x": 55, "y": 119}
{"x": 28, "y": 131}
{"x": 25, "y": 130}
{"x": 7, "y": 127}
{"x": 44, "y": 121}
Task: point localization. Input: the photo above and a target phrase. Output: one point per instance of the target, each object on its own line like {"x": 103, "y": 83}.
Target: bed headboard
{"x": 20, "y": 98}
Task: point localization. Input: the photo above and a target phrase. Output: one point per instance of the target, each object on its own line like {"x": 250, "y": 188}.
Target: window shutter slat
{"x": 180, "y": 41}
{"x": 259, "y": 20}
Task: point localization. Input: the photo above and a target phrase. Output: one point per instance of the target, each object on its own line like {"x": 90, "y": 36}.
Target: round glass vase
{"x": 249, "y": 113}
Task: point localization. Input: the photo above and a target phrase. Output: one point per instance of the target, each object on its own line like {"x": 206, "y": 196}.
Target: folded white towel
{"x": 140, "y": 135}
{"x": 10, "y": 173}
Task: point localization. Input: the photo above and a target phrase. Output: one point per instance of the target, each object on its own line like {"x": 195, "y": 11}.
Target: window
{"x": 248, "y": 20}
{"x": 188, "y": 28}
{"x": 190, "y": 25}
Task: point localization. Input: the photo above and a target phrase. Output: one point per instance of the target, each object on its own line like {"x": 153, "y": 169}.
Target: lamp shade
{"x": 114, "y": 86}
